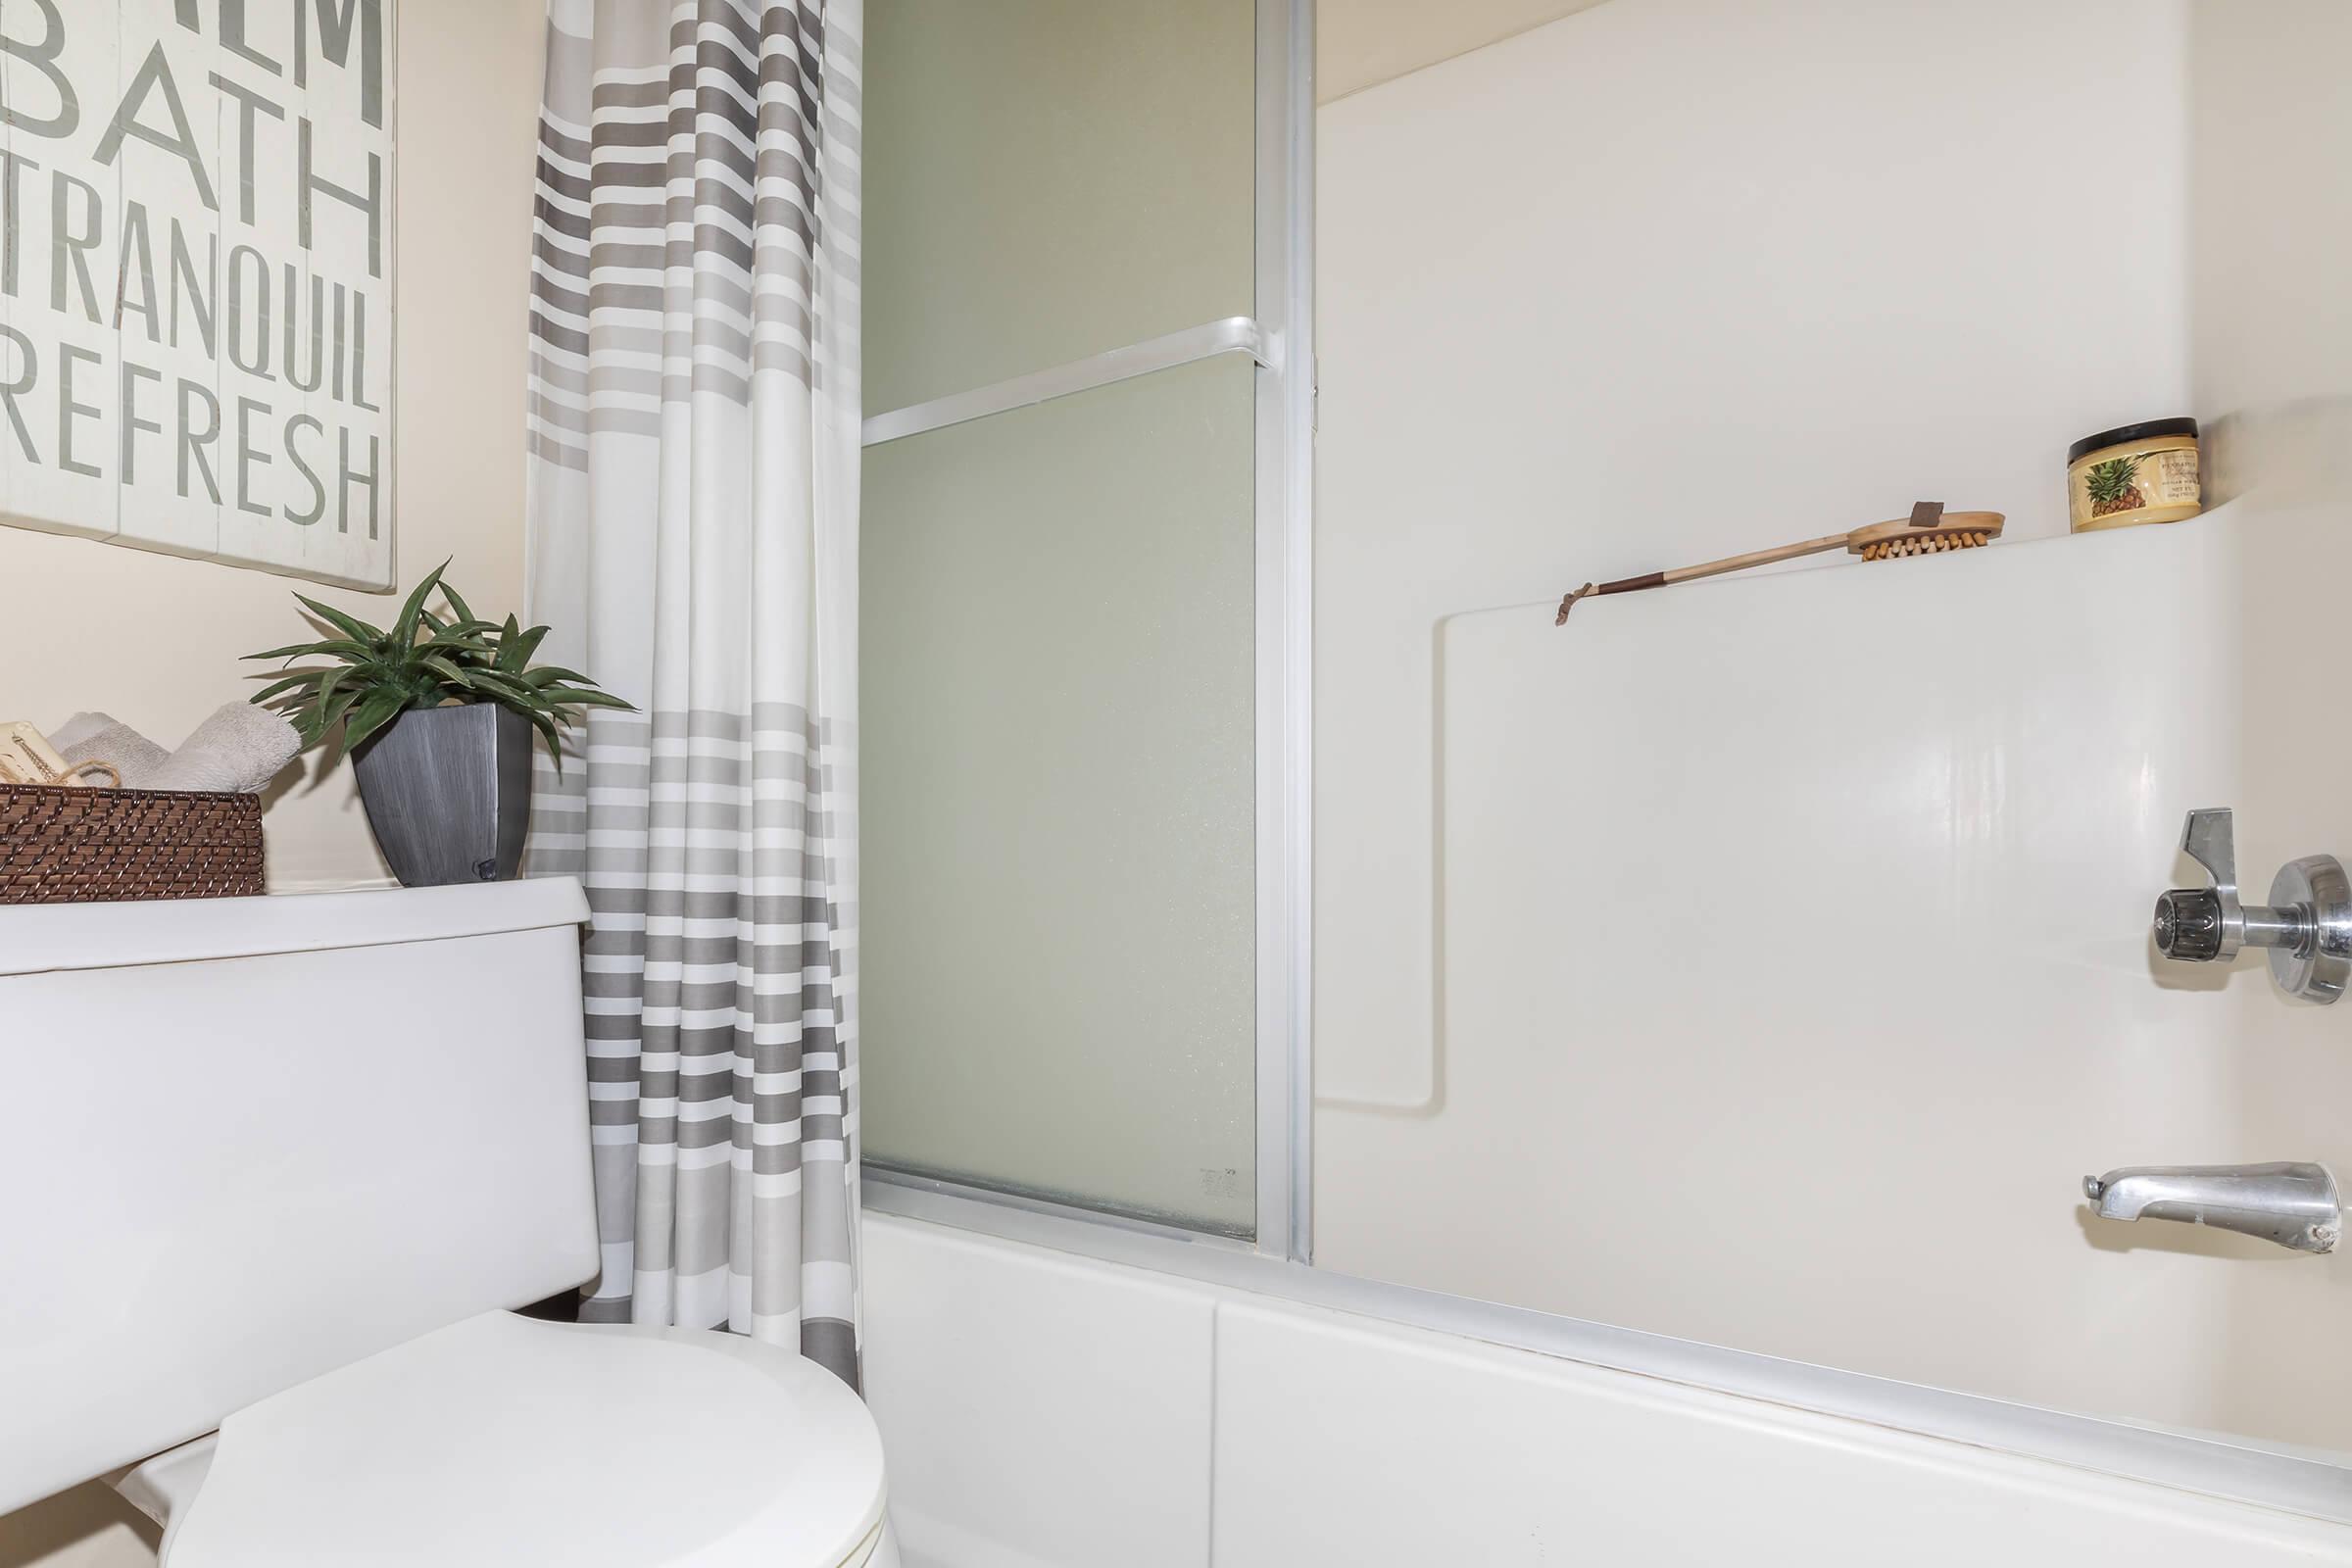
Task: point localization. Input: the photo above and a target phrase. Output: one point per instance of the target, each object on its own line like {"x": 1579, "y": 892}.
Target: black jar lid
{"x": 2122, "y": 433}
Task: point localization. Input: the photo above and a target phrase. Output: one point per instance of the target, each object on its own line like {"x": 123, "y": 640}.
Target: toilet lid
{"x": 504, "y": 1441}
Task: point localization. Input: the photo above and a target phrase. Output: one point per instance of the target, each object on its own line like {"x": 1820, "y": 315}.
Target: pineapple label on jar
{"x": 2133, "y": 474}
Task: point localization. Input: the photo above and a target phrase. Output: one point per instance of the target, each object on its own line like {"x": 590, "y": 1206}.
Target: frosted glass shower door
{"x": 1047, "y": 179}
{"x": 1059, "y": 768}
{"x": 1057, "y": 801}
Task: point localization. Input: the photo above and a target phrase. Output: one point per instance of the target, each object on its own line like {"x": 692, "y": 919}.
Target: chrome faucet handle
{"x": 2200, "y": 925}
{"x": 2307, "y": 926}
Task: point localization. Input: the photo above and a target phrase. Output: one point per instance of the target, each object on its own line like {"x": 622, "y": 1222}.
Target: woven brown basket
{"x": 66, "y": 845}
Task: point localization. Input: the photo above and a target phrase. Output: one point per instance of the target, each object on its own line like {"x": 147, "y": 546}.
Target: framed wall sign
{"x": 196, "y": 278}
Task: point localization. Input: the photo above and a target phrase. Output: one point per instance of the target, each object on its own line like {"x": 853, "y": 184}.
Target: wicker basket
{"x": 66, "y": 846}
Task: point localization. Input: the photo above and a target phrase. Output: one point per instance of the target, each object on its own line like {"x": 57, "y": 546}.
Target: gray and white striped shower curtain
{"x": 693, "y": 527}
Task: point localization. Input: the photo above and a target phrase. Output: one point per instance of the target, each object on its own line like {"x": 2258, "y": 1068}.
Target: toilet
{"x": 274, "y": 1172}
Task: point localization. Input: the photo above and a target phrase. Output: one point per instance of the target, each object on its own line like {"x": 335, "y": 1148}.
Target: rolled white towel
{"x": 104, "y": 737}
{"x": 79, "y": 728}
{"x": 240, "y": 748}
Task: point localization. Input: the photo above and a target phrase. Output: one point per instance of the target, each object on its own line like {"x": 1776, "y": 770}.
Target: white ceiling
{"x": 1361, "y": 43}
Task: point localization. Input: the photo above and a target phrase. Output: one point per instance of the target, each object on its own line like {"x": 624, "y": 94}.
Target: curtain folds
{"x": 693, "y": 527}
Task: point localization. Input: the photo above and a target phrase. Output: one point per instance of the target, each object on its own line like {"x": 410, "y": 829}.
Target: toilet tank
{"x": 245, "y": 1141}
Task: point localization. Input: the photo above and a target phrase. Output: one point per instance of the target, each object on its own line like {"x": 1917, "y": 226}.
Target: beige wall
{"x": 89, "y": 1527}
{"x": 155, "y": 640}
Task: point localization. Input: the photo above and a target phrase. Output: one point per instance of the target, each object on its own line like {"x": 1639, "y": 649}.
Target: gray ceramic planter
{"x": 448, "y": 792}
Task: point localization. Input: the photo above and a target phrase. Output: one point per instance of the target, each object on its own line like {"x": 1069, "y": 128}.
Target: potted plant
{"x": 438, "y": 715}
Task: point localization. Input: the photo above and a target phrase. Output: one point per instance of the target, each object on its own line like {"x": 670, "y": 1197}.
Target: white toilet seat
{"x": 500, "y": 1441}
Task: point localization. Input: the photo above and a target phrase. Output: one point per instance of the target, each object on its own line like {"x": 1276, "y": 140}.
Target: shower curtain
{"x": 693, "y": 539}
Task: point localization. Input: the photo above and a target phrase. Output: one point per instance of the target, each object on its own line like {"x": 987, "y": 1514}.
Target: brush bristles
{"x": 1896, "y": 548}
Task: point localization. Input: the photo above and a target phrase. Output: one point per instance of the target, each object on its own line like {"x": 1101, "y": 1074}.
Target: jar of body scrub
{"x": 2133, "y": 474}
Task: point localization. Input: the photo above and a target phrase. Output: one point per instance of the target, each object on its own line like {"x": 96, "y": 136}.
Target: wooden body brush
{"x": 1927, "y": 530}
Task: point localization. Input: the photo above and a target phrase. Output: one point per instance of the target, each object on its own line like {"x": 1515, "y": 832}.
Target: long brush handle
{"x": 1705, "y": 568}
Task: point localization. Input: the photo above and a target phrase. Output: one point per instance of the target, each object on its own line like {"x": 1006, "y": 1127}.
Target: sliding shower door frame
{"x": 1285, "y": 511}
{"x": 1278, "y": 338}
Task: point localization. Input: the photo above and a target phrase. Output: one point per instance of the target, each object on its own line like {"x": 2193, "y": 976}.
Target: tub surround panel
{"x": 1677, "y": 279}
{"x": 1869, "y": 986}
{"x": 1661, "y": 293}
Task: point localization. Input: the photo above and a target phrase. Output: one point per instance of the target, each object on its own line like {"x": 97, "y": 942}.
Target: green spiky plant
{"x": 2114, "y": 486}
{"x": 426, "y": 660}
